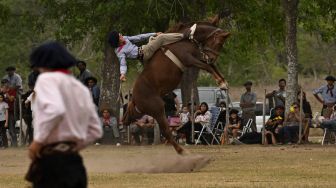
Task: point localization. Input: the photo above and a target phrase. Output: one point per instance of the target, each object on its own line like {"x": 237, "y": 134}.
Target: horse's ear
{"x": 224, "y": 36}
{"x": 215, "y": 20}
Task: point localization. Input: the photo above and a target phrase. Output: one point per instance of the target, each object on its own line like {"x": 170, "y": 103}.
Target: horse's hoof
{"x": 181, "y": 151}
{"x": 224, "y": 86}
{"x": 184, "y": 152}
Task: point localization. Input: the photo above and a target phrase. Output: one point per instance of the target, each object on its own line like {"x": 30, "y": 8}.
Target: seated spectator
{"x": 110, "y": 124}
{"x": 222, "y": 114}
{"x": 143, "y": 126}
{"x": 91, "y": 83}
{"x": 329, "y": 123}
{"x": 201, "y": 118}
{"x": 273, "y": 125}
{"x": 184, "y": 119}
{"x": 292, "y": 124}
{"x": 233, "y": 127}
{"x": 184, "y": 116}
{"x": 308, "y": 115}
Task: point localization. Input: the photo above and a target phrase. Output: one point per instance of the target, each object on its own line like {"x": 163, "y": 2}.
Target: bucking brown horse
{"x": 162, "y": 73}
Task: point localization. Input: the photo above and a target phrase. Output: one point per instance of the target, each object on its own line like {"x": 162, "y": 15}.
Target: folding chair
{"x": 332, "y": 133}
{"x": 208, "y": 129}
{"x": 247, "y": 128}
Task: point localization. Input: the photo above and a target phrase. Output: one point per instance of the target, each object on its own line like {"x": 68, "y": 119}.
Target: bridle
{"x": 203, "y": 49}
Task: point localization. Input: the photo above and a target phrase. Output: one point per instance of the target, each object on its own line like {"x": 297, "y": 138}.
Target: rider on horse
{"x": 125, "y": 47}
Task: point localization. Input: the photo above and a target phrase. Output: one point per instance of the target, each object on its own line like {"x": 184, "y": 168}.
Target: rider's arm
{"x": 140, "y": 38}
{"x": 122, "y": 61}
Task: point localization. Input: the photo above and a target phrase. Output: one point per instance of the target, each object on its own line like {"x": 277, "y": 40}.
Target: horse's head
{"x": 209, "y": 39}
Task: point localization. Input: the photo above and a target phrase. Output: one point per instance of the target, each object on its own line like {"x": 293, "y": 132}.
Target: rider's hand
{"x": 6, "y": 124}
{"x": 158, "y": 33}
{"x": 34, "y": 150}
{"x": 122, "y": 77}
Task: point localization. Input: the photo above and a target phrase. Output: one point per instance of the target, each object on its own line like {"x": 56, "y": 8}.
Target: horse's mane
{"x": 180, "y": 26}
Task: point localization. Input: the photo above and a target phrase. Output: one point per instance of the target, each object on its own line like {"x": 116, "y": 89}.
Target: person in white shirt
{"x": 65, "y": 121}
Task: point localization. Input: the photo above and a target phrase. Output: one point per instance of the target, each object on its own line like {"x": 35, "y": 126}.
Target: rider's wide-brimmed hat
{"x": 330, "y": 78}
{"x": 52, "y": 55}
{"x": 113, "y": 39}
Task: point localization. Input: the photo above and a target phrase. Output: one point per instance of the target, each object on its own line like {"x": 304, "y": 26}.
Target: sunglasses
{"x": 295, "y": 107}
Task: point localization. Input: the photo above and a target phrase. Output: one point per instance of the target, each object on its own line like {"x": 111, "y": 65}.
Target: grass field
{"x": 230, "y": 166}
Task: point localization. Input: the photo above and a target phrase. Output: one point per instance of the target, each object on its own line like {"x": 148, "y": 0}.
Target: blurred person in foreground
{"x": 65, "y": 121}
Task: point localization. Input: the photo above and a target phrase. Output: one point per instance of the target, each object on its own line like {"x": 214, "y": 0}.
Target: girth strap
{"x": 174, "y": 59}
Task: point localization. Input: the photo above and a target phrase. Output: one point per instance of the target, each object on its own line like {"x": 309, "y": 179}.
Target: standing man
{"x": 326, "y": 95}
{"x": 65, "y": 121}
{"x": 84, "y": 73}
{"x": 248, "y": 102}
{"x": 14, "y": 79}
{"x": 279, "y": 95}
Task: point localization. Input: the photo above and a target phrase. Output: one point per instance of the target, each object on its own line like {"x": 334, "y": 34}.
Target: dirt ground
{"x": 229, "y": 166}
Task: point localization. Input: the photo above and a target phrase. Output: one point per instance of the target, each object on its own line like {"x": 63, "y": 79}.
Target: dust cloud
{"x": 161, "y": 162}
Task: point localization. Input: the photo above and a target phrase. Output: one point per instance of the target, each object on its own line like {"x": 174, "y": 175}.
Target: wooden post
{"x": 227, "y": 116}
{"x": 192, "y": 115}
{"x": 301, "y": 110}
{"x": 264, "y": 120}
{"x": 128, "y": 127}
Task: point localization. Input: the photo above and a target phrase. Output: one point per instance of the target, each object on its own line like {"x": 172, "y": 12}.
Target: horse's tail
{"x": 131, "y": 114}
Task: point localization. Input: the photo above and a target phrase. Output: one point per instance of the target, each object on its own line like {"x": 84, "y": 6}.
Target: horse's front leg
{"x": 221, "y": 78}
{"x": 211, "y": 69}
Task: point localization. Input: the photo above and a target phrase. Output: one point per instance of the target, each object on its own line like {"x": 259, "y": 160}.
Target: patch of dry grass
{"x": 231, "y": 166}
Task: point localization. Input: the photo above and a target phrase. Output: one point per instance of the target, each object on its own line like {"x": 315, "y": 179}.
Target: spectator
{"x": 14, "y": 79}
{"x": 184, "y": 118}
{"x": 279, "y": 95}
{"x": 110, "y": 124}
{"x": 233, "y": 127}
{"x": 84, "y": 73}
{"x": 32, "y": 77}
{"x": 273, "y": 125}
{"x": 248, "y": 104}
{"x": 144, "y": 125}
{"x": 172, "y": 104}
{"x": 3, "y": 121}
{"x": 292, "y": 123}
{"x": 91, "y": 83}
{"x": 222, "y": 114}
{"x": 329, "y": 123}
{"x": 10, "y": 95}
{"x": 201, "y": 118}
{"x": 328, "y": 94}
{"x": 308, "y": 114}
{"x": 185, "y": 115}
{"x": 27, "y": 113}
{"x": 128, "y": 98}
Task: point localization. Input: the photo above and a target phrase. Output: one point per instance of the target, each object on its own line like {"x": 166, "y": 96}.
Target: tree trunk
{"x": 110, "y": 84}
{"x": 189, "y": 81}
{"x": 291, "y": 14}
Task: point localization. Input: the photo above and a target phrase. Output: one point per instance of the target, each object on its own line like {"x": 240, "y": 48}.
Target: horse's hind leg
{"x": 163, "y": 123}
